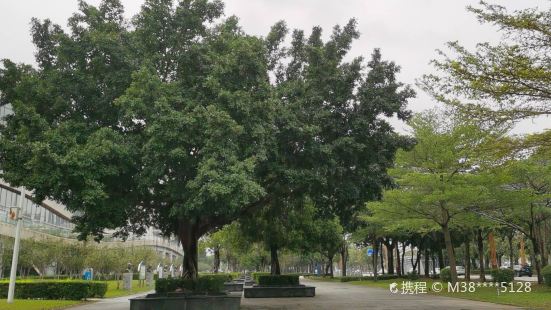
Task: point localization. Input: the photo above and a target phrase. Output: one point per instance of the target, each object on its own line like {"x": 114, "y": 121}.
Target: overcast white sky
{"x": 407, "y": 31}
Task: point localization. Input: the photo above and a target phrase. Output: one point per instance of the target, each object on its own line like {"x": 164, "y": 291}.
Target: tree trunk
{"x": 375, "y": 255}
{"x": 449, "y": 249}
{"x": 390, "y": 255}
{"x": 511, "y": 258}
{"x": 403, "y": 254}
{"x": 433, "y": 264}
{"x": 440, "y": 259}
{"x": 398, "y": 264}
{"x": 522, "y": 253}
{"x": 344, "y": 257}
{"x": 467, "y": 260}
{"x": 492, "y": 246}
{"x": 480, "y": 245}
{"x": 537, "y": 258}
{"x": 189, "y": 238}
{"x": 329, "y": 267}
{"x": 382, "y": 259}
{"x": 415, "y": 266}
{"x": 426, "y": 267}
{"x": 274, "y": 261}
{"x": 541, "y": 241}
{"x": 216, "y": 263}
{"x": 411, "y": 258}
{"x": 418, "y": 262}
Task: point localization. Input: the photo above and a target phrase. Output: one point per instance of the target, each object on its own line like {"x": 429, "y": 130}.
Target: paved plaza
{"x": 336, "y": 295}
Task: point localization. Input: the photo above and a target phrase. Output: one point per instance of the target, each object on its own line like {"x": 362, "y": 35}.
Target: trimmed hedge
{"x": 229, "y": 275}
{"x": 278, "y": 280}
{"x": 205, "y": 284}
{"x": 55, "y": 277}
{"x": 412, "y": 275}
{"x": 546, "y": 272}
{"x": 50, "y": 289}
{"x": 256, "y": 275}
{"x": 369, "y": 278}
{"x": 352, "y": 278}
{"x": 502, "y": 275}
{"x": 315, "y": 277}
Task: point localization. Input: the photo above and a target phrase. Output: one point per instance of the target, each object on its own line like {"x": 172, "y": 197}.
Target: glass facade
{"x": 35, "y": 216}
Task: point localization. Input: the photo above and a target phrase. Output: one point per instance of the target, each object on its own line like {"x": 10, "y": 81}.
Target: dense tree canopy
{"x": 179, "y": 120}
{"x": 521, "y": 200}
{"x": 437, "y": 181}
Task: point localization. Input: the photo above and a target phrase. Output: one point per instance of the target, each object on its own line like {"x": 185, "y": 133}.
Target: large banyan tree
{"x": 179, "y": 120}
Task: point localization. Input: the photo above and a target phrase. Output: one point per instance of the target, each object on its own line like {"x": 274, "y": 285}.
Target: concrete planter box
{"x": 233, "y": 287}
{"x": 186, "y": 302}
{"x": 257, "y": 291}
{"x": 245, "y": 282}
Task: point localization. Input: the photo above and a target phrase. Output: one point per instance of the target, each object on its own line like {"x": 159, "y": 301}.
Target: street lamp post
{"x": 15, "y": 257}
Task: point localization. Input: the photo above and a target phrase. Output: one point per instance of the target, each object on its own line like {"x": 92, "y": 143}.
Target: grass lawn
{"x": 112, "y": 290}
{"x": 538, "y": 298}
{"x": 38, "y": 304}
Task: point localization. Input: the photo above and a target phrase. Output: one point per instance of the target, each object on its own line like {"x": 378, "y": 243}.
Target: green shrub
{"x": 315, "y": 276}
{"x": 546, "y": 272}
{"x": 255, "y": 275}
{"x": 387, "y": 276}
{"x": 446, "y": 274}
{"x": 226, "y": 276}
{"x": 51, "y": 289}
{"x": 205, "y": 284}
{"x": 502, "y": 275}
{"x": 369, "y": 278}
{"x": 167, "y": 285}
{"x": 98, "y": 289}
{"x": 211, "y": 283}
{"x": 278, "y": 280}
{"x": 54, "y": 277}
{"x": 412, "y": 275}
{"x": 348, "y": 279}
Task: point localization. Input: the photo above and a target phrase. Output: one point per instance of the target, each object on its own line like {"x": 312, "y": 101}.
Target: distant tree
{"x": 72, "y": 258}
{"x": 139, "y": 254}
{"x": 44, "y": 254}
{"x": 437, "y": 181}
{"x": 106, "y": 261}
{"x": 326, "y": 239}
{"x": 521, "y": 200}
{"x": 279, "y": 226}
{"x": 226, "y": 242}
